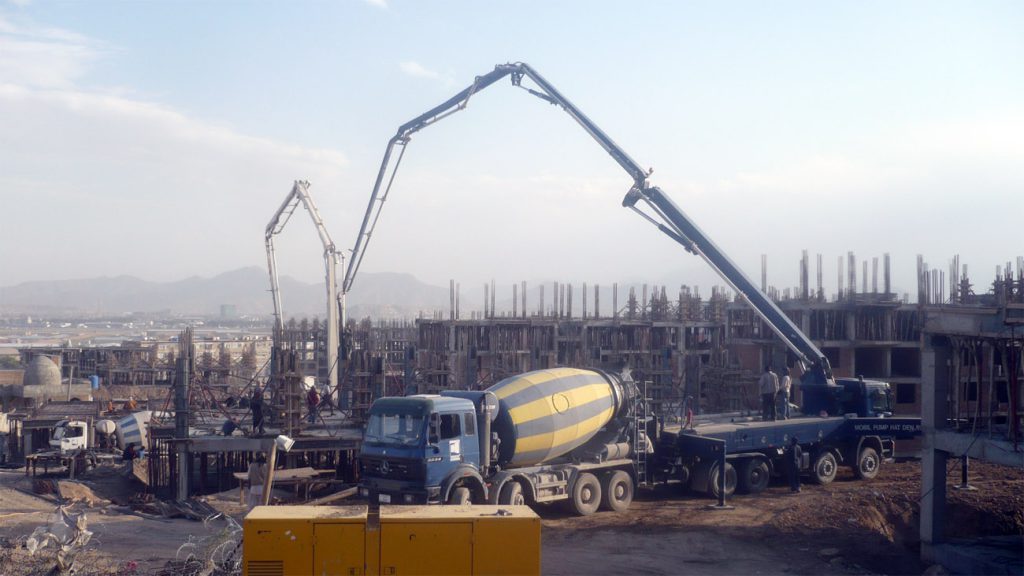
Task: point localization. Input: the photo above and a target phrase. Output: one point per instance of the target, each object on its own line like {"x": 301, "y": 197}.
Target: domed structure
{"x": 42, "y": 371}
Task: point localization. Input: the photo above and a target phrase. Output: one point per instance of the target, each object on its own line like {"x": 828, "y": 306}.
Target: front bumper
{"x": 384, "y": 491}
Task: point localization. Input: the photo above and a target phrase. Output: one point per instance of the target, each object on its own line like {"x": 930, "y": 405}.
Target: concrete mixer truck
{"x": 584, "y": 437}
{"x": 69, "y": 436}
{"x": 544, "y": 436}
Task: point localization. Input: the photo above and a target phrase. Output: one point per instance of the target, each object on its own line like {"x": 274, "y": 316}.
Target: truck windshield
{"x": 880, "y": 401}
{"x": 394, "y": 428}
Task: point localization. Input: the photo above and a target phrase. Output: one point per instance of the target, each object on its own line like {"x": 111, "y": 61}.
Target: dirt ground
{"x": 123, "y": 541}
{"x": 847, "y": 527}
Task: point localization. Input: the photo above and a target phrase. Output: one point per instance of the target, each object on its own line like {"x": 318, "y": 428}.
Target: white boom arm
{"x": 335, "y": 301}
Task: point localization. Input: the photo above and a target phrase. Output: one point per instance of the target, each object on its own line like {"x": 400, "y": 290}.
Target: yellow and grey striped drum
{"x": 547, "y": 413}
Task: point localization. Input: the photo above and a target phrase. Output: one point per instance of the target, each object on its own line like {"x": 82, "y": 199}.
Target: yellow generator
{"x": 396, "y": 541}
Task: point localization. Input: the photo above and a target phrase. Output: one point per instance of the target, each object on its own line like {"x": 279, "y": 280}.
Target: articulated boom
{"x": 300, "y": 195}
{"x": 666, "y": 215}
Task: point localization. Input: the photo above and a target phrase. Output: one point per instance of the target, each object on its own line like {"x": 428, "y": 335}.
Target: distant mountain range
{"x": 379, "y": 295}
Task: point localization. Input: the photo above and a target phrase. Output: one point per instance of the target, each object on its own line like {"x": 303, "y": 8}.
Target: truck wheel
{"x": 459, "y": 496}
{"x": 586, "y": 494}
{"x": 753, "y": 476}
{"x": 824, "y": 469}
{"x": 730, "y": 480}
{"x": 868, "y": 464}
{"x": 618, "y": 491}
{"x": 512, "y": 494}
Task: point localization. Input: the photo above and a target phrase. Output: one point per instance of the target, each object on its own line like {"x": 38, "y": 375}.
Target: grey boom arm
{"x": 664, "y": 213}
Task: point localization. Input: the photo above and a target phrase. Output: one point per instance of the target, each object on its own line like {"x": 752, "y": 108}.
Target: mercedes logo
{"x": 385, "y": 467}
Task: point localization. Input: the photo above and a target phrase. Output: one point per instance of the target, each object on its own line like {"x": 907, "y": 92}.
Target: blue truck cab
{"x": 415, "y": 447}
{"x": 865, "y": 398}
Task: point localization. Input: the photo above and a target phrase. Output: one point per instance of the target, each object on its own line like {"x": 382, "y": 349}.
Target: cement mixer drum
{"x": 106, "y": 427}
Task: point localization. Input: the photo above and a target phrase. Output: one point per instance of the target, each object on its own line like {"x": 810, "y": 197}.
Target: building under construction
{"x": 688, "y": 350}
{"x": 152, "y": 363}
{"x": 972, "y": 357}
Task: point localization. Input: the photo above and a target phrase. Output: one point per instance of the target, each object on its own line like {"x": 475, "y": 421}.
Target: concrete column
{"x": 936, "y": 357}
{"x": 933, "y": 502}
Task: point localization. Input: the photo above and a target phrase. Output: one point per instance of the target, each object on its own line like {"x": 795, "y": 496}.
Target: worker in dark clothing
{"x": 128, "y": 457}
{"x": 313, "y": 403}
{"x": 794, "y": 456}
{"x": 256, "y": 404}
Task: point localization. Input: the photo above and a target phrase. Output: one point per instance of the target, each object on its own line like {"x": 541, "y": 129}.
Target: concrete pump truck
{"x": 584, "y": 436}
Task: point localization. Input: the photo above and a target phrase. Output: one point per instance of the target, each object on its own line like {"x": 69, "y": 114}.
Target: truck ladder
{"x": 640, "y": 437}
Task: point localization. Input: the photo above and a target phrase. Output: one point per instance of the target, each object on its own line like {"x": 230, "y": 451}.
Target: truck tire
{"x": 460, "y": 496}
{"x": 867, "y": 464}
{"x": 512, "y": 494}
{"x": 617, "y": 491}
{"x": 753, "y": 476}
{"x": 824, "y": 469}
{"x": 730, "y": 480}
{"x": 586, "y": 494}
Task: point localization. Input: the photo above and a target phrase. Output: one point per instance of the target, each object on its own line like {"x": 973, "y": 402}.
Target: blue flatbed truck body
{"x": 752, "y": 435}
{"x": 753, "y": 450}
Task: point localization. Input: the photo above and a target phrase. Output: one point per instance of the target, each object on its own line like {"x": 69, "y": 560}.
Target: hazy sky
{"x": 157, "y": 138}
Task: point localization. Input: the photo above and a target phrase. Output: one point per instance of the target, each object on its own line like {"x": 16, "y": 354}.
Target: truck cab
{"x": 865, "y": 398}
{"x": 415, "y": 448}
{"x": 70, "y": 435}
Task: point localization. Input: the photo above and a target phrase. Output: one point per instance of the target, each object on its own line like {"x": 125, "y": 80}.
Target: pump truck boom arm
{"x": 676, "y": 225}
{"x": 458, "y": 102}
{"x": 299, "y": 194}
{"x": 664, "y": 213}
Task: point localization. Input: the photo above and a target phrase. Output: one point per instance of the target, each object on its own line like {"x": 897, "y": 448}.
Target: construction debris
{"x": 72, "y": 492}
{"x": 216, "y": 555}
{"x": 191, "y": 509}
{"x": 65, "y": 537}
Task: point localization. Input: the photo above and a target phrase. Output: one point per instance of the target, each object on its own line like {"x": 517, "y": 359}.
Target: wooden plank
{"x": 288, "y": 474}
{"x": 334, "y": 497}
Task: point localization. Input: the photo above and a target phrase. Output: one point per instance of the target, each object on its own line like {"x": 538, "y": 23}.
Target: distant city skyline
{"x": 156, "y": 139}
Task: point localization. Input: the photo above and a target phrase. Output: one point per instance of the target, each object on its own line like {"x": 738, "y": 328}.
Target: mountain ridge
{"x": 383, "y": 294}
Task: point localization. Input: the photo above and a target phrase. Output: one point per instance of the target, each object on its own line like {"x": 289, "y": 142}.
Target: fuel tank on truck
{"x": 547, "y": 413}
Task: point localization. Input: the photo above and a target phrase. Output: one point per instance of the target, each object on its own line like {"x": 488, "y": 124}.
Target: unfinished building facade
{"x": 973, "y": 365}
{"x": 663, "y": 342}
{"x": 151, "y": 363}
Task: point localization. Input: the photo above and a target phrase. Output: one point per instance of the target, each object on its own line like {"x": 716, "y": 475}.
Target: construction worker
{"x": 794, "y": 457}
{"x": 257, "y": 480}
{"x": 131, "y": 404}
{"x": 769, "y": 387}
{"x": 128, "y": 457}
{"x": 256, "y": 405}
{"x": 783, "y": 396}
{"x": 313, "y": 401}
{"x": 327, "y": 399}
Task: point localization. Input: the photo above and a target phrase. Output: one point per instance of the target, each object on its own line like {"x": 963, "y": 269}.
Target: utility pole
{"x": 181, "y": 383}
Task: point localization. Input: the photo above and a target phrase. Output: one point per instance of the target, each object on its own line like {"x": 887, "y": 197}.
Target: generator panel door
{"x": 338, "y": 549}
{"x": 441, "y": 549}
